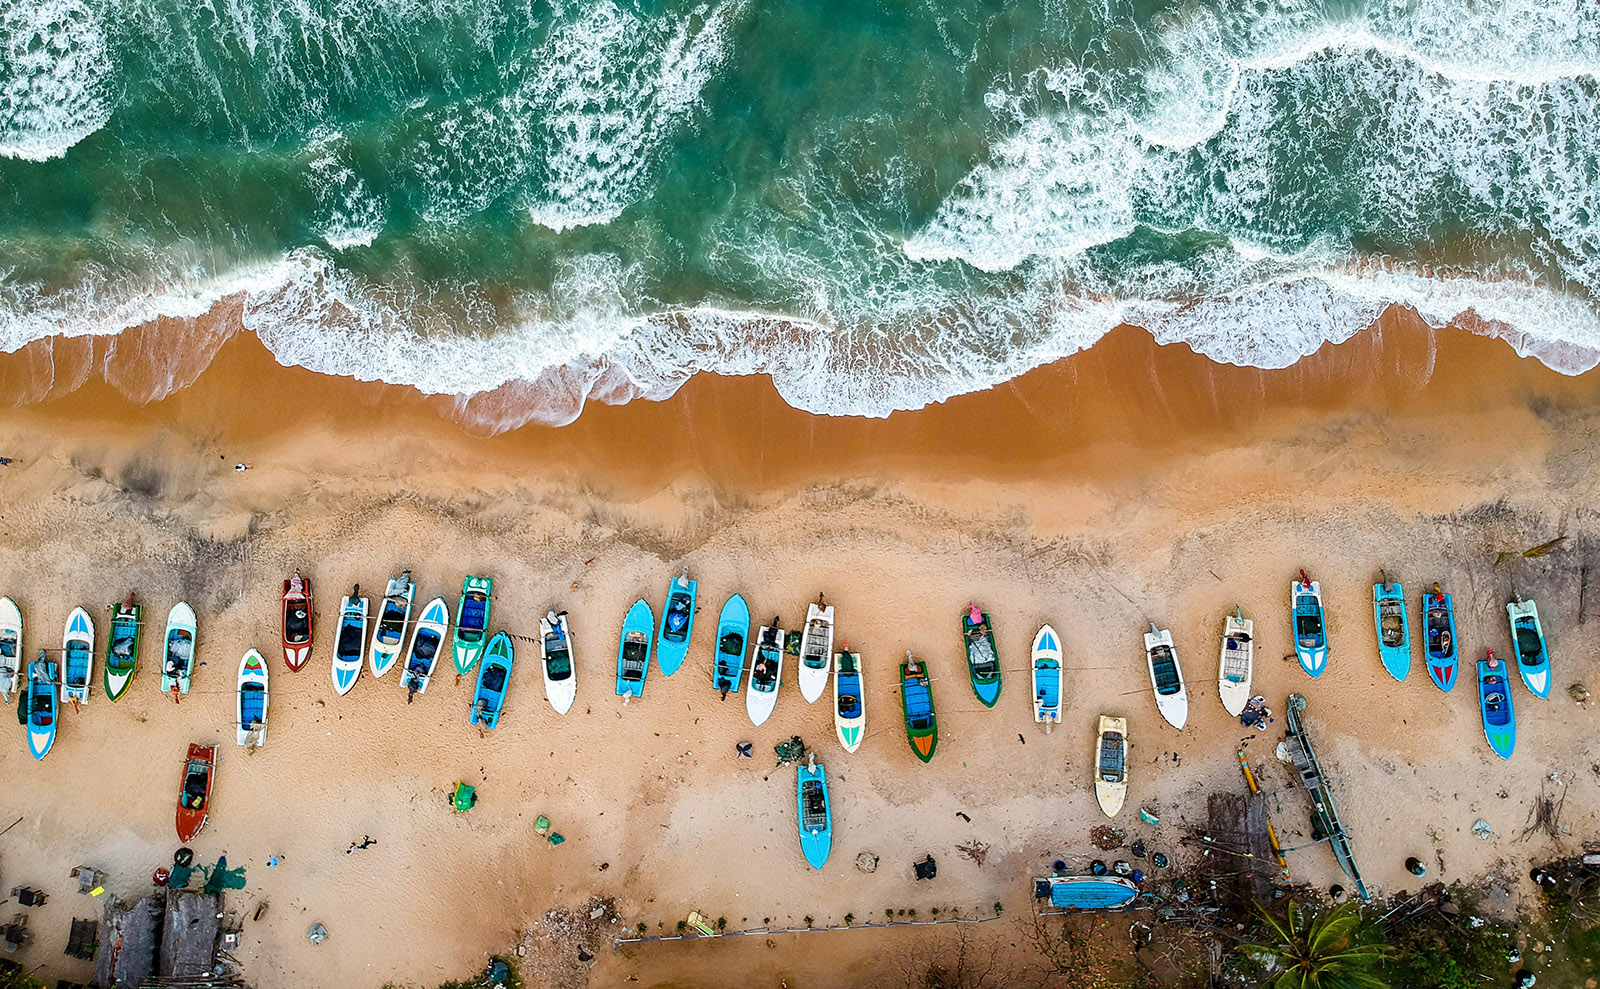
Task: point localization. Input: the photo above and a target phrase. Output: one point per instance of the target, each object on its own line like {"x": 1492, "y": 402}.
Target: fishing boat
{"x": 352, "y": 641}
{"x": 40, "y": 701}
{"x": 1111, "y": 764}
{"x": 633, "y": 652}
{"x": 1166, "y": 676}
{"x": 983, "y": 661}
{"x": 1439, "y": 638}
{"x": 1237, "y": 666}
{"x": 555, "y": 657}
{"x": 122, "y": 648}
{"x": 194, "y": 791}
{"x": 766, "y": 673}
{"x": 11, "y": 664}
{"x": 1527, "y": 635}
{"x": 472, "y": 622}
{"x": 733, "y": 636}
{"x": 1310, "y": 634}
{"x": 1086, "y": 892}
{"x": 815, "y": 812}
{"x": 1394, "y": 632}
{"x": 677, "y": 624}
{"x": 296, "y": 621}
{"x": 252, "y": 703}
{"x": 77, "y": 666}
{"x": 177, "y": 656}
{"x": 1494, "y": 701}
{"x": 494, "y": 679}
{"x": 916, "y": 701}
{"x": 1047, "y": 677}
{"x": 816, "y": 649}
{"x": 427, "y": 641}
{"x": 394, "y": 614}
{"x": 1325, "y": 823}
{"x": 849, "y": 700}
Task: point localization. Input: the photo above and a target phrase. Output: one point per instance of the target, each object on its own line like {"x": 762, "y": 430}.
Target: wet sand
{"x": 1131, "y": 483}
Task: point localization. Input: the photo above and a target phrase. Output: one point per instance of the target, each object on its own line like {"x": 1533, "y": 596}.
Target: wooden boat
{"x": 251, "y": 706}
{"x": 11, "y": 663}
{"x": 983, "y": 661}
{"x": 1086, "y": 892}
{"x": 394, "y": 614}
{"x": 1111, "y": 764}
{"x": 815, "y": 812}
{"x": 633, "y": 652}
{"x": 816, "y": 650}
{"x": 472, "y": 622}
{"x": 849, "y": 700}
{"x": 1494, "y": 702}
{"x": 555, "y": 659}
{"x": 1325, "y": 822}
{"x": 296, "y": 621}
{"x": 427, "y": 641}
{"x": 916, "y": 701}
{"x": 40, "y": 706}
{"x": 77, "y": 665}
{"x": 1439, "y": 638}
{"x": 1237, "y": 666}
{"x": 677, "y": 624}
{"x": 1533, "y": 658}
{"x": 1394, "y": 632}
{"x": 1166, "y": 676}
{"x": 733, "y": 636}
{"x": 194, "y": 790}
{"x": 766, "y": 673}
{"x": 1310, "y": 632}
{"x": 494, "y": 679}
{"x": 177, "y": 656}
{"x": 1047, "y": 676}
{"x": 122, "y": 648}
{"x": 351, "y": 643}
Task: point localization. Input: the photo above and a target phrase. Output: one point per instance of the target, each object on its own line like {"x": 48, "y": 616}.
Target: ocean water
{"x": 881, "y": 204}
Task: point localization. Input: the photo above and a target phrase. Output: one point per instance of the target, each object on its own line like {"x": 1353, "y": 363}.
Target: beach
{"x": 1130, "y": 483}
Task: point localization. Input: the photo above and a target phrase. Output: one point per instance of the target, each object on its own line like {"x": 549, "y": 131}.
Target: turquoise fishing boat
{"x": 1439, "y": 638}
{"x": 1494, "y": 700}
{"x": 1533, "y": 658}
{"x": 472, "y": 622}
{"x": 633, "y": 652}
{"x": 677, "y": 624}
{"x": 39, "y": 706}
{"x": 733, "y": 635}
{"x": 1394, "y": 632}
{"x": 1085, "y": 892}
{"x": 1310, "y": 630}
{"x": 815, "y": 812}
{"x": 494, "y": 679}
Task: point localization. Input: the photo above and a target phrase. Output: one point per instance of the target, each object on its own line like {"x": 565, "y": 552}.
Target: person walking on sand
{"x": 241, "y": 467}
{"x": 367, "y": 841}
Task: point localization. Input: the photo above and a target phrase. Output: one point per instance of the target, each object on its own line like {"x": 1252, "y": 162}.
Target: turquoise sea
{"x": 881, "y": 203}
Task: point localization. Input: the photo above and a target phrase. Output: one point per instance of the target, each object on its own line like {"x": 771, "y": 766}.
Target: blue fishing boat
{"x": 41, "y": 706}
{"x": 633, "y": 653}
{"x": 1527, "y": 635}
{"x": 1494, "y": 699}
{"x": 1085, "y": 892}
{"x": 1394, "y": 632}
{"x": 1439, "y": 638}
{"x": 1310, "y": 632}
{"x": 849, "y": 703}
{"x": 677, "y": 624}
{"x": 816, "y": 812}
{"x": 733, "y": 635}
{"x": 494, "y": 679}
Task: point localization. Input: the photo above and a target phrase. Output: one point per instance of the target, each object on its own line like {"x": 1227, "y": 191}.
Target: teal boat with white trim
{"x": 1394, "y": 632}
{"x": 494, "y": 681}
{"x": 815, "y": 812}
{"x": 1527, "y": 636}
{"x": 472, "y": 622}
{"x": 633, "y": 652}
{"x": 677, "y": 624}
{"x": 733, "y": 640}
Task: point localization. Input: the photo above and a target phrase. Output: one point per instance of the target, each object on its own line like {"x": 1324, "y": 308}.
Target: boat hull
{"x": 849, "y": 700}
{"x": 1389, "y": 618}
{"x": 727, "y": 671}
{"x": 12, "y": 666}
{"x": 350, "y": 644}
{"x": 430, "y": 635}
{"x": 1111, "y": 764}
{"x": 921, "y": 718}
{"x": 560, "y": 685}
{"x": 677, "y": 625}
{"x": 640, "y": 623}
{"x": 816, "y": 640}
{"x": 1533, "y": 662}
{"x": 43, "y": 707}
{"x": 178, "y": 649}
{"x": 1495, "y": 706}
{"x": 123, "y": 636}
{"x": 759, "y": 702}
{"x": 297, "y": 610}
{"x": 1086, "y": 892}
{"x": 494, "y": 682}
{"x": 1047, "y": 676}
{"x": 1439, "y": 649}
{"x": 389, "y": 633}
{"x": 978, "y": 641}
{"x": 1166, "y": 678}
{"x": 1311, "y": 648}
{"x": 77, "y": 665}
{"x": 1236, "y": 665}
{"x": 472, "y": 622}
{"x": 816, "y": 830}
{"x": 194, "y": 790}
{"x": 250, "y": 725}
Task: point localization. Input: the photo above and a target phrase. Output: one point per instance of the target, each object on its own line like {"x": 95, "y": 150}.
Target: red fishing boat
{"x": 194, "y": 793}
{"x": 296, "y": 621}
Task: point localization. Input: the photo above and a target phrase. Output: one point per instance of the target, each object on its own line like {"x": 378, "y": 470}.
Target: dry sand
{"x": 1129, "y": 484}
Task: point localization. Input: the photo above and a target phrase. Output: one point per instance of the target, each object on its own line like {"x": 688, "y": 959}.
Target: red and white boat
{"x": 296, "y": 621}
{"x": 194, "y": 792}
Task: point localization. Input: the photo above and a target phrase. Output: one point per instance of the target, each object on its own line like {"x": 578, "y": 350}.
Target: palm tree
{"x": 1321, "y": 951}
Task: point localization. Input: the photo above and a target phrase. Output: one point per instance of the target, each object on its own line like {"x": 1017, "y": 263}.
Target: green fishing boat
{"x": 472, "y": 622}
{"x": 122, "y": 648}
{"x": 916, "y": 700}
{"x": 983, "y": 662}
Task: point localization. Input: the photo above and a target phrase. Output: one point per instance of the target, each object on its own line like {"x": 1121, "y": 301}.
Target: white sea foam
{"x": 55, "y": 77}
{"x": 350, "y": 213}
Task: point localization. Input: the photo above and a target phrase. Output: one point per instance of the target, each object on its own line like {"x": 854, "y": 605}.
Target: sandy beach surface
{"x": 1130, "y": 484}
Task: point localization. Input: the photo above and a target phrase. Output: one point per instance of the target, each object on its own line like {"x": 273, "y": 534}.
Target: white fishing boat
{"x": 555, "y": 659}
{"x": 351, "y": 643}
{"x": 394, "y": 614}
{"x": 1166, "y": 676}
{"x": 766, "y": 673}
{"x": 10, "y": 648}
{"x": 816, "y": 648}
{"x": 251, "y": 727}
{"x": 849, "y": 700}
{"x": 427, "y": 639}
{"x": 77, "y": 659}
{"x": 177, "y": 654}
{"x": 1047, "y": 677}
{"x": 1237, "y": 663}
{"x": 1111, "y": 764}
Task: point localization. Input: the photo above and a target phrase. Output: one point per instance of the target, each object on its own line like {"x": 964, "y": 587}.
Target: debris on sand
{"x": 558, "y": 948}
{"x": 1105, "y": 837}
{"x": 975, "y": 850}
{"x": 867, "y": 862}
